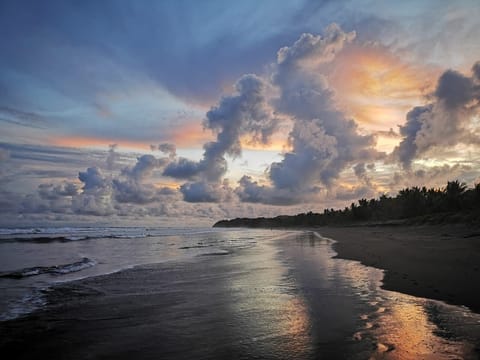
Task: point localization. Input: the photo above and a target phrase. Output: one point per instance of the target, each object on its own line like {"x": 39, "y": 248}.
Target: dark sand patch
{"x": 436, "y": 262}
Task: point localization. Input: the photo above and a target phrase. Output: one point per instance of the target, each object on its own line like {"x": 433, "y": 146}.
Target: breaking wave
{"x": 55, "y": 269}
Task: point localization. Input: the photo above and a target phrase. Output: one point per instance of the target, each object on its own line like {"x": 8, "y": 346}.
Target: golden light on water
{"x": 405, "y": 332}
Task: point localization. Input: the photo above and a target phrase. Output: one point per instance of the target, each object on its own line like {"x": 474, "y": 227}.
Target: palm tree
{"x": 453, "y": 192}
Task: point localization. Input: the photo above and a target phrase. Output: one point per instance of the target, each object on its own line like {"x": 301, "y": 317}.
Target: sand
{"x": 436, "y": 262}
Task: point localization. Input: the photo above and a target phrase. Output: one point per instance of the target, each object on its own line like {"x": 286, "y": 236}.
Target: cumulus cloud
{"x": 245, "y": 113}
{"x": 96, "y": 197}
{"x": 204, "y": 191}
{"x": 52, "y": 192}
{"x": 445, "y": 121}
{"x": 323, "y": 141}
{"x": 435, "y": 176}
{"x": 92, "y": 179}
{"x": 182, "y": 168}
{"x": 144, "y": 167}
{"x": 132, "y": 188}
{"x": 354, "y": 193}
{"x": 250, "y": 191}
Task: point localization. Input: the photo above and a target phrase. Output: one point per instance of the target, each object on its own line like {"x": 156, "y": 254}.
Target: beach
{"x": 285, "y": 297}
{"x": 437, "y": 262}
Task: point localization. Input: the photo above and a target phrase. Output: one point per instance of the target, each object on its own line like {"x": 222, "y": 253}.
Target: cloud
{"x": 476, "y": 71}
{"x": 128, "y": 191}
{"x": 22, "y": 118}
{"x": 354, "y": 193}
{"x": 435, "y": 176}
{"x": 250, "y": 191}
{"x": 182, "y": 168}
{"x": 131, "y": 187}
{"x": 407, "y": 149}
{"x": 144, "y": 167}
{"x": 245, "y": 113}
{"x": 324, "y": 142}
{"x": 443, "y": 122}
{"x": 52, "y": 192}
{"x": 92, "y": 179}
{"x": 4, "y": 154}
{"x": 314, "y": 49}
{"x": 456, "y": 90}
{"x": 112, "y": 156}
{"x": 169, "y": 149}
{"x": 96, "y": 198}
{"x": 50, "y": 198}
{"x": 203, "y": 191}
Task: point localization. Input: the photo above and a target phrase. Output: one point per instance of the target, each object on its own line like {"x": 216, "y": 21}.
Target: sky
{"x": 187, "y": 112}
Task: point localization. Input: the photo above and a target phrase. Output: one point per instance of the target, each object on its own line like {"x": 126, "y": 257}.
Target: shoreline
{"x": 435, "y": 262}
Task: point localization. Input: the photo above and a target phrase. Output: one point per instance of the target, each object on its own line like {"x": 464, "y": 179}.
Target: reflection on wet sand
{"x": 404, "y": 331}
{"x": 271, "y": 317}
{"x": 404, "y": 327}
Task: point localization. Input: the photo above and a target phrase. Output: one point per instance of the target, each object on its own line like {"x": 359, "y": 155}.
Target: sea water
{"x": 33, "y": 259}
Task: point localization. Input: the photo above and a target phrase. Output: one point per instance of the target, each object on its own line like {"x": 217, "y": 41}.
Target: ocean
{"x": 33, "y": 259}
{"x": 254, "y": 293}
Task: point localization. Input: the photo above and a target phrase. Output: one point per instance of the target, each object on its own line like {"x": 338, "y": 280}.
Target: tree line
{"x": 453, "y": 203}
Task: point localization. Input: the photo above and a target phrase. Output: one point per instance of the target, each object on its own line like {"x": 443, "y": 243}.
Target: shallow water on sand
{"x": 343, "y": 295}
{"x": 281, "y": 297}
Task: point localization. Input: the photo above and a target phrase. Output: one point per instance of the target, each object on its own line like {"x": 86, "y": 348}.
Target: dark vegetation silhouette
{"x": 454, "y": 203}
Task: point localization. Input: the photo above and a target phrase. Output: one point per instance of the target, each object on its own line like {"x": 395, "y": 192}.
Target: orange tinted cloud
{"x": 189, "y": 135}
{"x": 83, "y": 142}
{"x": 377, "y": 87}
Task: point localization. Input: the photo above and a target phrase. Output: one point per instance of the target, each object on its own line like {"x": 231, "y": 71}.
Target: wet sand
{"x": 436, "y": 262}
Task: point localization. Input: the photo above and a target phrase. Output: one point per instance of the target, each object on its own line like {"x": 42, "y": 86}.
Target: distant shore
{"x": 437, "y": 262}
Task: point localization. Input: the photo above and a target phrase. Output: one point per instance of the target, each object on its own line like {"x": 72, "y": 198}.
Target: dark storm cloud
{"x": 445, "y": 121}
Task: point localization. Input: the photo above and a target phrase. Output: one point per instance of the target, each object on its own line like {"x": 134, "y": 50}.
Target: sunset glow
{"x": 299, "y": 108}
